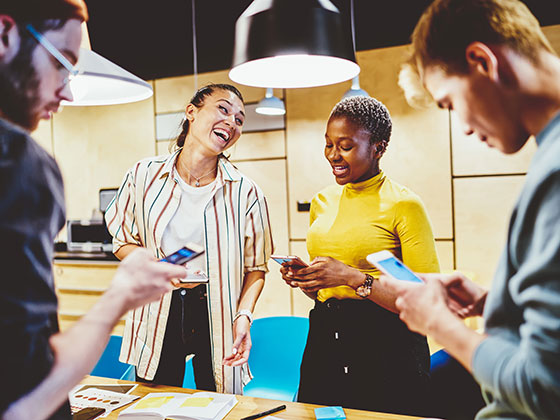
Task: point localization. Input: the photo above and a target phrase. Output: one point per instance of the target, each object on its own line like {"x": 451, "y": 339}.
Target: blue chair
{"x": 275, "y": 359}
{"x": 188, "y": 379}
{"x": 109, "y": 366}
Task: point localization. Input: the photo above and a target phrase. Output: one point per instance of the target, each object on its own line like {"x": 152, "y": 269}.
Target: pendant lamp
{"x": 102, "y": 82}
{"x": 270, "y": 104}
{"x": 292, "y": 44}
{"x": 355, "y": 89}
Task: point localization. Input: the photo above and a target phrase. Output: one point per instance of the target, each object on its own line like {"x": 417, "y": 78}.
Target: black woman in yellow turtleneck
{"x": 359, "y": 354}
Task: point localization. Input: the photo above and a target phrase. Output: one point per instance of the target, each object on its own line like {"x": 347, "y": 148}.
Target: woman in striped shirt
{"x": 196, "y": 195}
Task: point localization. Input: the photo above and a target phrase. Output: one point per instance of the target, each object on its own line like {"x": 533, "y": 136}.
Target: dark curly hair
{"x": 198, "y": 100}
{"x": 368, "y": 114}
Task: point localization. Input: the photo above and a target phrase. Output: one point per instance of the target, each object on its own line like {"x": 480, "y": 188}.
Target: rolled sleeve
{"x": 258, "y": 235}
{"x": 121, "y": 217}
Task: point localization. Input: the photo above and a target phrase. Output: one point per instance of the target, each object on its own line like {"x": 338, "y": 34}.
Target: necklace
{"x": 197, "y": 183}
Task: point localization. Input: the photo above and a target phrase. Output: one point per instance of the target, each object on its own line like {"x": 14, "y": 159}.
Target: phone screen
{"x": 398, "y": 270}
{"x": 180, "y": 256}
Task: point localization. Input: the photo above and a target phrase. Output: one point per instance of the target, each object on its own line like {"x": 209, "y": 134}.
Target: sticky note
{"x": 155, "y": 402}
{"x": 329, "y": 413}
{"x": 197, "y": 402}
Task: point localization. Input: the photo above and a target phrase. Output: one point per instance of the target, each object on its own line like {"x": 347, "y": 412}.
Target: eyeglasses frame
{"x": 73, "y": 71}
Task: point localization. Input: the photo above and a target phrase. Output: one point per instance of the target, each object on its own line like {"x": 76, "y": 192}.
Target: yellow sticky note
{"x": 197, "y": 402}
{"x": 154, "y": 402}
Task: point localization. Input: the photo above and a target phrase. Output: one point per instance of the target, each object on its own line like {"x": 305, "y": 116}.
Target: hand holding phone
{"x": 388, "y": 264}
{"x": 291, "y": 260}
{"x": 187, "y": 253}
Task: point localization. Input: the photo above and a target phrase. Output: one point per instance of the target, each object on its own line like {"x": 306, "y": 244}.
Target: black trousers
{"x": 187, "y": 332}
{"x": 359, "y": 355}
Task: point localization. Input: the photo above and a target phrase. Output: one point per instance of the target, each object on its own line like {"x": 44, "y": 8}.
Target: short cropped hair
{"x": 366, "y": 113}
{"x": 448, "y": 27}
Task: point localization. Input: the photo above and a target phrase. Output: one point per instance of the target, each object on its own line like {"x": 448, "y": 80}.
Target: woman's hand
{"x": 322, "y": 273}
{"x": 187, "y": 285}
{"x": 241, "y": 343}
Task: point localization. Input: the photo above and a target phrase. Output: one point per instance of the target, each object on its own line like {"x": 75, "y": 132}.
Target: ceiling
{"x": 154, "y": 39}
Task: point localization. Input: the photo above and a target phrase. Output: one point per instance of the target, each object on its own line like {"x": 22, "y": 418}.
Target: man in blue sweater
{"x": 489, "y": 61}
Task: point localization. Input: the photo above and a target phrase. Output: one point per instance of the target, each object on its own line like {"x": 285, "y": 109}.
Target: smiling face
{"x": 349, "y": 151}
{"x": 218, "y": 123}
{"x": 484, "y": 106}
{"x": 33, "y": 82}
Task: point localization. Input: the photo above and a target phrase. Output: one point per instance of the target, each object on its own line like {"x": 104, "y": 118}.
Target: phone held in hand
{"x": 291, "y": 260}
{"x": 388, "y": 264}
{"x": 187, "y": 253}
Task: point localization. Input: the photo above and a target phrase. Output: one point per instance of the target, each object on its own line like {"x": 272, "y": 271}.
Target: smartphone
{"x": 388, "y": 264}
{"x": 290, "y": 260}
{"x": 187, "y": 253}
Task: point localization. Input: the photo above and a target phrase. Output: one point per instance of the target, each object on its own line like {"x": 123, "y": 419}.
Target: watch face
{"x": 363, "y": 291}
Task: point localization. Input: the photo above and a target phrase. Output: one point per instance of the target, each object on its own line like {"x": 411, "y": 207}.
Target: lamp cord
{"x": 352, "y": 24}
{"x": 195, "y": 59}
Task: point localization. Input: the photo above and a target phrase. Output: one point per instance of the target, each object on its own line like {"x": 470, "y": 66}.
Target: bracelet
{"x": 243, "y": 312}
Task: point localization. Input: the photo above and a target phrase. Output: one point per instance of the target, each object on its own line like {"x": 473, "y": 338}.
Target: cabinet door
{"x": 78, "y": 287}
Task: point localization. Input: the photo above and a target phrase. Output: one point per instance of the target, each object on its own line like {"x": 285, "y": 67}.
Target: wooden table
{"x": 250, "y": 405}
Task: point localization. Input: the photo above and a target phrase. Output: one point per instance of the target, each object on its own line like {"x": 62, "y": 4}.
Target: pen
{"x": 265, "y": 413}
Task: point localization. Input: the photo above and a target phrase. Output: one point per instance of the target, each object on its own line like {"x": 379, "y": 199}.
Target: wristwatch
{"x": 243, "y": 312}
{"x": 364, "y": 290}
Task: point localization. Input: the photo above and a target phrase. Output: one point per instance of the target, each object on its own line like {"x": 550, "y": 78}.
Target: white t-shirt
{"x": 187, "y": 224}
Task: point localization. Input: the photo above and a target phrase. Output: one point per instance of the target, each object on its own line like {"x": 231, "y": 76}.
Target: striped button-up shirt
{"x": 237, "y": 240}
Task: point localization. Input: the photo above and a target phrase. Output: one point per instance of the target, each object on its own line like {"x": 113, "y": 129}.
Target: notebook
{"x": 197, "y": 406}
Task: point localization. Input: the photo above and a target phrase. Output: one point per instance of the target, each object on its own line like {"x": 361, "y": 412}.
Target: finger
{"x": 171, "y": 270}
{"x": 391, "y": 284}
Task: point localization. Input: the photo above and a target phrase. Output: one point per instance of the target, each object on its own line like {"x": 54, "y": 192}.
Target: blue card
{"x": 329, "y": 413}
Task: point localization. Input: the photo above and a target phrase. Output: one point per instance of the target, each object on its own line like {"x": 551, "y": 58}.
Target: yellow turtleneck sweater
{"x": 350, "y": 222}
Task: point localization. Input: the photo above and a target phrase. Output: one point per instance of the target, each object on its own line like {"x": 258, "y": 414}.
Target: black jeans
{"x": 359, "y": 355}
{"x": 187, "y": 332}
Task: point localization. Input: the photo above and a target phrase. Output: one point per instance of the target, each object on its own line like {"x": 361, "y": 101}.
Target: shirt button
{"x": 183, "y": 292}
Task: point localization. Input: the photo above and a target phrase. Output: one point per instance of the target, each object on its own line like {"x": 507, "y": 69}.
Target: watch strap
{"x": 244, "y": 312}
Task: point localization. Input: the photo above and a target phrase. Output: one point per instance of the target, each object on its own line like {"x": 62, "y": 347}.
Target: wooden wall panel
{"x": 473, "y": 157}
{"x": 307, "y": 111}
{"x": 94, "y": 147}
{"x": 271, "y": 178}
{"x": 418, "y": 152}
{"x": 552, "y": 32}
{"x": 482, "y": 211}
{"x": 260, "y": 145}
{"x": 43, "y": 135}
{"x": 445, "y": 255}
{"x": 174, "y": 93}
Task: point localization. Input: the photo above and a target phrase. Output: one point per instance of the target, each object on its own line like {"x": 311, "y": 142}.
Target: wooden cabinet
{"x": 79, "y": 284}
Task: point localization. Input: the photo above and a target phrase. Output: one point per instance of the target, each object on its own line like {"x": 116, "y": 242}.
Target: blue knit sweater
{"x": 518, "y": 365}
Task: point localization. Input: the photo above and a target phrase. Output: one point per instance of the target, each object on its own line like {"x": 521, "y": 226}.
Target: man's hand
{"x": 465, "y": 297}
{"x": 142, "y": 279}
{"x": 241, "y": 343}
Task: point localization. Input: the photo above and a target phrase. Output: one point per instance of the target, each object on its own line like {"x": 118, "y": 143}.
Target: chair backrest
{"x": 108, "y": 365}
{"x": 278, "y": 345}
